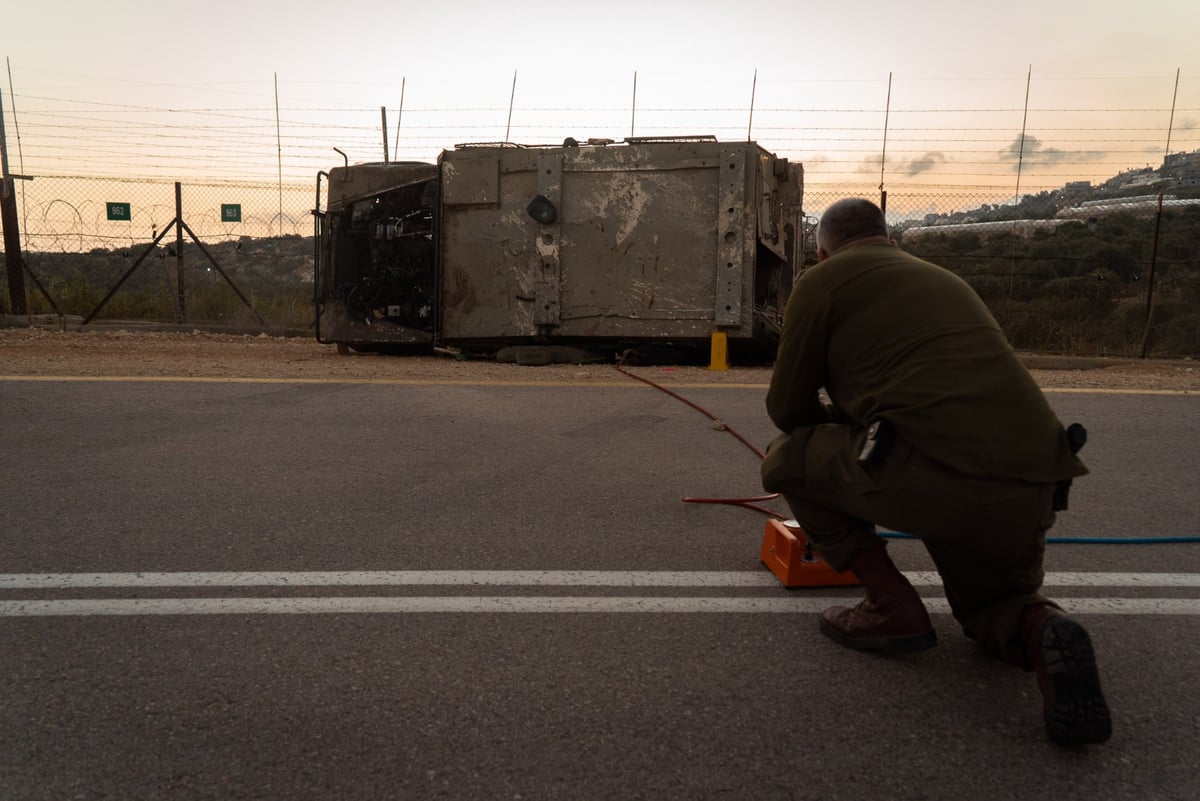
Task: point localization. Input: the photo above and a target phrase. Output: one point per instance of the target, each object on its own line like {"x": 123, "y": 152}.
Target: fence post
{"x": 179, "y": 252}
{"x": 14, "y": 264}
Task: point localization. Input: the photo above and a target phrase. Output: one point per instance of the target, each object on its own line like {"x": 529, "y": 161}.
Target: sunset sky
{"x": 145, "y": 88}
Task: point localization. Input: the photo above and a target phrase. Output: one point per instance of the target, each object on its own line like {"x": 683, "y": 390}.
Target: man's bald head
{"x": 847, "y": 221}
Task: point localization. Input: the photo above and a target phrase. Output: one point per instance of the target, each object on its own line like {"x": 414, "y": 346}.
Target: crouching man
{"x": 936, "y": 429}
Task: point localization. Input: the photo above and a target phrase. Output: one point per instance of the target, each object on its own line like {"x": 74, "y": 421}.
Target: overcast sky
{"x": 575, "y": 64}
{"x": 368, "y": 44}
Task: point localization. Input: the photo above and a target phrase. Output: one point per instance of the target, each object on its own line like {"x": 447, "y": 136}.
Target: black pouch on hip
{"x": 877, "y": 445}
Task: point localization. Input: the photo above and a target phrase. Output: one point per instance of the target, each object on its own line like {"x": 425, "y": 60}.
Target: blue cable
{"x": 899, "y": 535}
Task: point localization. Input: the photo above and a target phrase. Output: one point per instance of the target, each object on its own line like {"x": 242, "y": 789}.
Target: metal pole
{"x": 1150, "y": 281}
{"x": 1171, "y": 120}
{"x": 633, "y": 108}
{"x": 1012, "y": 279}
{"x": 3, "y": 142}
{"x": 179, "y": 251}
{"x": 753, "y": 90}
{"x": 887, "y": 113}
{"x": 383, "y": 118}
{"x": 399, "y": 117}
{"x": 1157, "y": 227}
{"x": 279, "y": 153}
{"x": 13, "y": 262}
{"x": 1024, "y": 125}
{"x": 12, "y": 99}
{"x": 511, "y": 98}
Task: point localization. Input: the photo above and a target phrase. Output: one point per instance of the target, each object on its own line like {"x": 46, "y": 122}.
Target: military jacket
{"x": 891, "y": 336}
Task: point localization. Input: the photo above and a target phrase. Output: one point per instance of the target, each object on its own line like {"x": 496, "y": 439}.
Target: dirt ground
{"x": 42, "y": 351}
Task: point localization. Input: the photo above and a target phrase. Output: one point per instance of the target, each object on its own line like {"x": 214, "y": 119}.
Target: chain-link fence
{"x": 1075, "y": 270}
{"x": 1062, "y": 271}
{"x": 71, "y": 214}
{"x": 236, "y": 253}
{"x": 1036, "y": 204}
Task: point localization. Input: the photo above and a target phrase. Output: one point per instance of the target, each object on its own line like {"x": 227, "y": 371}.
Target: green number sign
{"x": 119, "y": 211}
{"x": 231, "y": 212}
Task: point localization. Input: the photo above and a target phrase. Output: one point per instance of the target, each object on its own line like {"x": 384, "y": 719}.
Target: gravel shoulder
{"x": 115, "y": 352}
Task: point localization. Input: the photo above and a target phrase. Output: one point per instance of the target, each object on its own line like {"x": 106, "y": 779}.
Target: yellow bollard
{"x": 718, "y": 352}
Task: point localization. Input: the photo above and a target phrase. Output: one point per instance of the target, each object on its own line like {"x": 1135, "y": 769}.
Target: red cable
{"x": 722, "y": 426}
{"x": 745, "y": 503}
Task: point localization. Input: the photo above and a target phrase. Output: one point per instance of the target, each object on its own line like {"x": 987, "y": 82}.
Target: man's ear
{"x": 821, "y": 254}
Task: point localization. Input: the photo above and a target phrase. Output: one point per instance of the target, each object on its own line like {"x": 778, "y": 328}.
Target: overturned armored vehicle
{"x": 663, "y": 240}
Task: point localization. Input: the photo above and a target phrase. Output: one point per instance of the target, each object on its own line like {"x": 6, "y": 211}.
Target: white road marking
{"x": 515, "y": 578}
{"x": 931, "y": 579}
{"x": 520, "y": 604}
{"x": 459, "y": 603}
{"x": 396, "y": 578}
{"x": 795, "y": 603}
{"x": 1115, "y": 391}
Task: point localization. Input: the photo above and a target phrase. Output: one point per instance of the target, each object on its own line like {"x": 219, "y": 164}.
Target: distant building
{"x": 1180, "y": 160}
{"x": 1182, "y": 169}
{"x": 1076, "y": 200}
{"x": 1128, "y": 179}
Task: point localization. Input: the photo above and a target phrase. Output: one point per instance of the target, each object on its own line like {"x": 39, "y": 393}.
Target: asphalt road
{"x": 347, "y": 591}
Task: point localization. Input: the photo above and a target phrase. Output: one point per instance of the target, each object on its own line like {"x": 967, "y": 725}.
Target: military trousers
{"x": 986, "y": 537}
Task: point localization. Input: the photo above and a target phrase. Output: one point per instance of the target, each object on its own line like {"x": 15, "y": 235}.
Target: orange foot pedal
{"x": 793, "y": 560}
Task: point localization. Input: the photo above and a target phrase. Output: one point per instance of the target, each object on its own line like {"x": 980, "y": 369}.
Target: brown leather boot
{"x": 891, "y": 619}
{"x": 1060, "y": 652}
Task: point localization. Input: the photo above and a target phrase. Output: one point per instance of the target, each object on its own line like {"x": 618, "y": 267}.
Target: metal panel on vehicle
{"x": 639, "y": 247}
{"x": 643, "y": 244}
{"x": 471, "y": 181}
{"x": 732, "y": 230}
{"x": 489, "y": 261}
{"x": 546, "y": 239}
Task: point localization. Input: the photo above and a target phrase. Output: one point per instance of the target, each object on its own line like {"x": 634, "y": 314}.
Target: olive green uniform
{"x": 977, "y": 452}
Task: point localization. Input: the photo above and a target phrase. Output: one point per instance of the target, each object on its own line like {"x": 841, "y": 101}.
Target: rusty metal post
{"x": 182, "y": 314}
{"x": 14, "y": 263}
{"x": 383, "y": 119}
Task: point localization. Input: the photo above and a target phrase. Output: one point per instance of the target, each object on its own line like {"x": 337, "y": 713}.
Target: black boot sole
{"x": 911, "y": 644}
{"x": 1076, "y": 712}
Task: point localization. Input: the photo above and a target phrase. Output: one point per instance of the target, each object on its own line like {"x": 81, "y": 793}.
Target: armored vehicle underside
{"x": 653, "y": 242}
